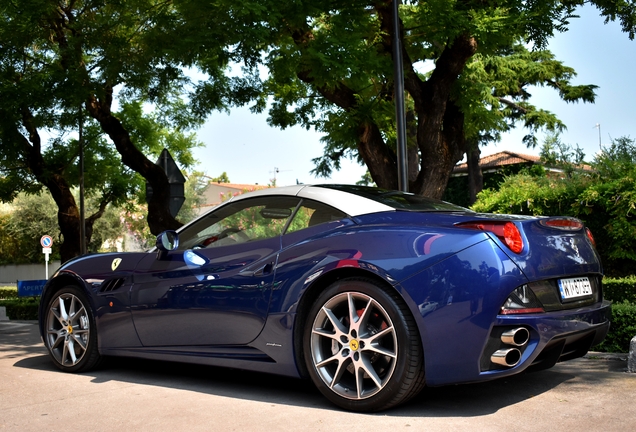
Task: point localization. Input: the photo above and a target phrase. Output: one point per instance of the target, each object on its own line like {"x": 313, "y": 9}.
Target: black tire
{"x": 362, "y": 347}
{"x": 70, "y": 335}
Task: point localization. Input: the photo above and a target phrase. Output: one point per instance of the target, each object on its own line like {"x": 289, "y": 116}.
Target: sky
{"x": 250, "y": 151}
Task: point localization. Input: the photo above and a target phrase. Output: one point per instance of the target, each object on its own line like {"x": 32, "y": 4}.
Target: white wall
{"x": 9, "y": 274}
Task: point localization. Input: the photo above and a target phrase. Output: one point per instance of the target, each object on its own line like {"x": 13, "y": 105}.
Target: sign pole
{"x": 46, "y": 241}
{"x": 400, "y": 116}
{"x": 46, "y": 266}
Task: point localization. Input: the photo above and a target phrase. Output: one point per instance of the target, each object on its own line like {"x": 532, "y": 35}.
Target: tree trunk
{"x": 67, "y": 213}
{"x": 68, "y": 217}
{"x": 412, "y": 150}
{"x": 439, "y": 126}
{"x": 475, "y": 176}
{"x": 376, "y": 155}
{"x": 440, "y": 121}
{"x": 159, "y": 216}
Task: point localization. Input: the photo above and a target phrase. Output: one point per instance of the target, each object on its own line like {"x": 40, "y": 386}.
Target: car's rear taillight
{"x": 562, "y": 223}
{"x": 567, "y": 224}
{"x": 507, "y": 232}
{"x": 522, "y": 301}
{"x": 590, "y": 236}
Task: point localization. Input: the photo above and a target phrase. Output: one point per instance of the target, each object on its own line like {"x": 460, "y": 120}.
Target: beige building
{"x": 215, "y": 193}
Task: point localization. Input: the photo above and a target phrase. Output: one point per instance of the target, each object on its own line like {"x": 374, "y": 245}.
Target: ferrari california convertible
{"x": 370, "y": 293}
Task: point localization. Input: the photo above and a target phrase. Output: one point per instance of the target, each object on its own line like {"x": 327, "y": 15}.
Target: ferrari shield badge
{"x": 115, "y": 263}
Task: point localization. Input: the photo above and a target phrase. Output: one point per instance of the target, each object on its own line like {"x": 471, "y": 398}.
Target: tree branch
{"x": 513, "y": 105}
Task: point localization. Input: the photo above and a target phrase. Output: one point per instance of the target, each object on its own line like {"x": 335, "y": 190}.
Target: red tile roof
{"x": 499, "y": 160}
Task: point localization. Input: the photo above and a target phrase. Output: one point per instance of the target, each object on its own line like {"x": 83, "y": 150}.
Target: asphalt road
{"x": 590, "y": 394}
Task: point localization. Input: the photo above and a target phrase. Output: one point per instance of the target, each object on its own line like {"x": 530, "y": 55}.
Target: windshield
{"x": 399, "y": 200}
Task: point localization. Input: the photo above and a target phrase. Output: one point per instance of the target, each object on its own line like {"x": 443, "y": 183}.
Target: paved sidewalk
{"x": 589, "y": 394}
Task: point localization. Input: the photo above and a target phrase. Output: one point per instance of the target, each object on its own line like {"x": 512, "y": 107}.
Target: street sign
{"x": 46, "y": 241}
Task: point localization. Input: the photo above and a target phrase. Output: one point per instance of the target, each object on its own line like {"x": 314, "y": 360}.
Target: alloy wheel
{"x": 68, "y": 329}
{"x": 354, "y": 346}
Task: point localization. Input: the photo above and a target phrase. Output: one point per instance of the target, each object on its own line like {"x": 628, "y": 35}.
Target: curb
{"x": 631, "y": 362}
{"x": 597, "y": 355}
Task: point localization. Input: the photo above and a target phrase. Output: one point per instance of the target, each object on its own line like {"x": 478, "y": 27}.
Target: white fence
{"x": 9, "y": 274}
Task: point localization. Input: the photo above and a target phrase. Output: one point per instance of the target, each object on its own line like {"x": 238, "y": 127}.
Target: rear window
{"x": 399, "y": 200}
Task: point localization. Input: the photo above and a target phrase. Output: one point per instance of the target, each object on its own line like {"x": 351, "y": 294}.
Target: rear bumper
{"x": 554, "y": 337}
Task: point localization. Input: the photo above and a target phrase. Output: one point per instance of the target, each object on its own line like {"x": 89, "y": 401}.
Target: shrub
{"x": 8, "y": 293}
{"x": 621, "y": 289}
{"x": 622, "y": 330}
{"x": 22, "y": 308}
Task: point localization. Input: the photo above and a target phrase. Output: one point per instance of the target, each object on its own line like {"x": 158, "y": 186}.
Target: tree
{"x": 21, "y": 226}
{"x": 30, "y": 216}
{"x": 63, "y": 60}
{"x": 223, "y": 178}
{"x": 330, "y": 68}
{"x": 333, "y": 72}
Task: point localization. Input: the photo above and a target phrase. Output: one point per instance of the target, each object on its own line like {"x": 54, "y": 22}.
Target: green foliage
{"x": 31, "y": 217}
{"x": 622, "y": 329}
{"x": 251, "y": 222}
{"x": 223, "y": 178}
{"x": 620, "y": 289}
{"x": 300, "y": 220}
{"x": 556, "y": 154}
{"x": 22, "y": 309}
{"x": 605, "y": 199}
{"x": 330, "y": 68}
{"x": 62, "y": 64}
{"x": 193, "y": 190}
{"x": 8, "y": 293}
{"x": 23, "y": 222}
{"x": 457, "y": 190}
{"x": 366, "y": 180}
{"x": 494, "y": 92}
{"x": 162, "y": 128}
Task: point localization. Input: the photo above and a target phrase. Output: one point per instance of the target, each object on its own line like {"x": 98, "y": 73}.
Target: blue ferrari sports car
{"x": 371, "y": 293}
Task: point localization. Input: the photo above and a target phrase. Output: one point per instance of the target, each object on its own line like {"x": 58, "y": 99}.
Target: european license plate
{"x": 574, "y": 287}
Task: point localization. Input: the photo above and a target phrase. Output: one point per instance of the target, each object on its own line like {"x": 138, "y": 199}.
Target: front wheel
{"x": 70, "y": 335}
{"x": 362, "y": 347}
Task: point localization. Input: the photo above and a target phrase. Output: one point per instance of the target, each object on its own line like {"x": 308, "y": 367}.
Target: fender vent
{"x": 111, "y": 285}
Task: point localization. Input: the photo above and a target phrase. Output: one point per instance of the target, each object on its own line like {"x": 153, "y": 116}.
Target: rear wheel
{"x": 362, "y": 347}
{"x": 70, "y": 335}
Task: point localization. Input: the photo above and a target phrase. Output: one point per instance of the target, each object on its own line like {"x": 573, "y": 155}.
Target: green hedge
{"x": 8, "y": 293}
{"x": 21, "y": 309}
{"x": 622, "y": 329}
{"x": 620, "y": 290}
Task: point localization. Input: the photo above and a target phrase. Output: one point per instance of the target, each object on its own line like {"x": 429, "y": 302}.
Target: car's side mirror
{"x": 166, "y": 241}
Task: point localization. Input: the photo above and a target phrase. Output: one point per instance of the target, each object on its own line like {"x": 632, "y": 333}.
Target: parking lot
{"x": 593, "y": 393}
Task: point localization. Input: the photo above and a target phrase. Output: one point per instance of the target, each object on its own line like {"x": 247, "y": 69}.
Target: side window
{"x": 239, "y": 222}
{"x": 312, "y": 213}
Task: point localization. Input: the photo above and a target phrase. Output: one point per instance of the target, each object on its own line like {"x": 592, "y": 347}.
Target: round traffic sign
{"x": 46, "y": 241}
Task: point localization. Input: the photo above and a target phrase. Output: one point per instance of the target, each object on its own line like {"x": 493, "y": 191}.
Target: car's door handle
{"x": 262, "y": 271}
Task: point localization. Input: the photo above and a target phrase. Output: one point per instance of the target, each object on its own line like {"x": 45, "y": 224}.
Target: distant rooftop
{"x": 215, "y": 192}
{"x": 498, "y": 160}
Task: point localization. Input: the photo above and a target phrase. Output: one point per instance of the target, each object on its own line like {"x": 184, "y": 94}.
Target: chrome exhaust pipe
{"x": 506, "y": 357}
{"x": 517, "y": 337}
